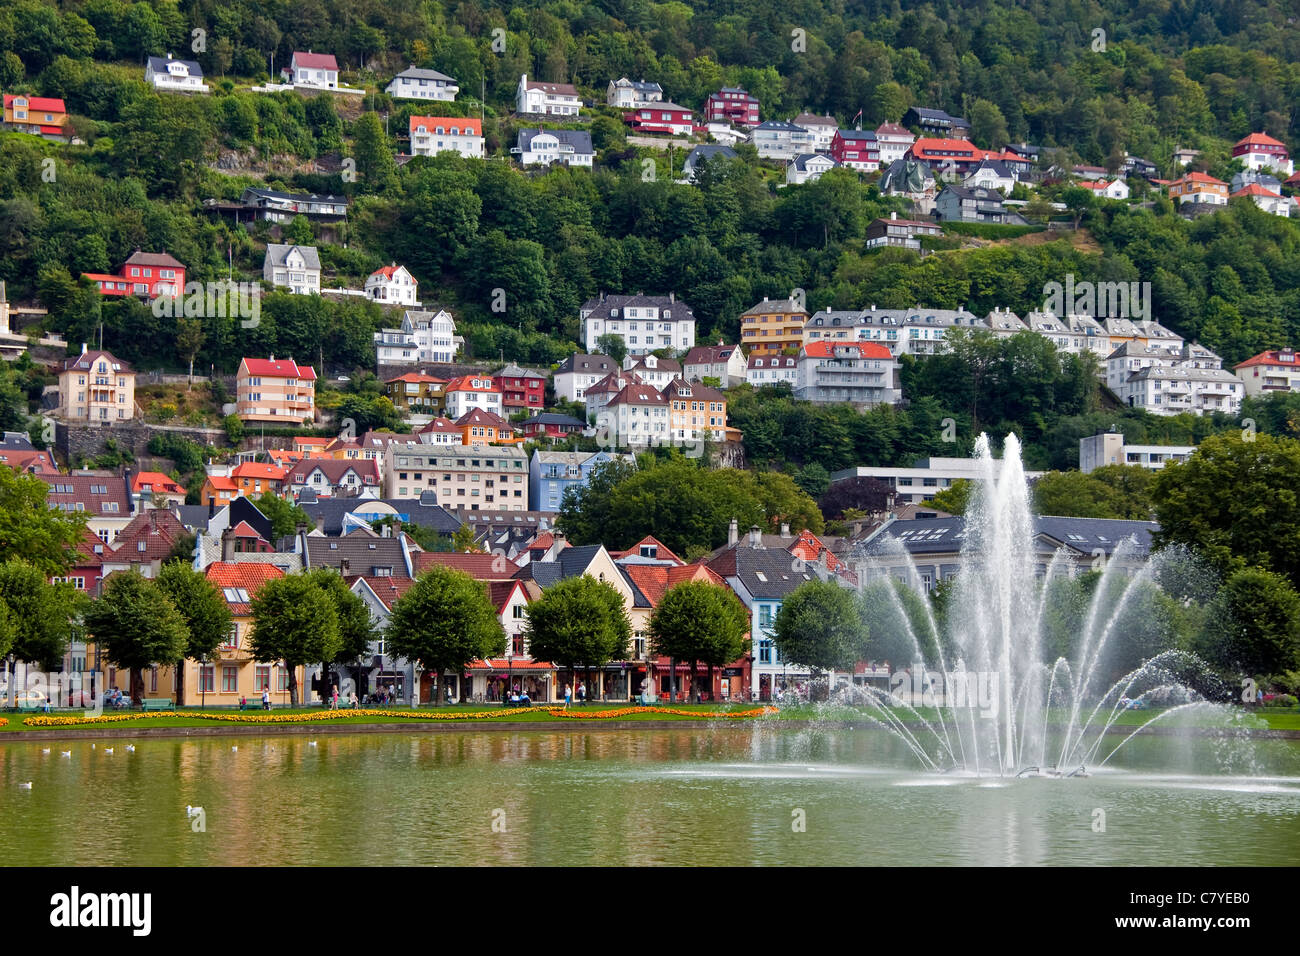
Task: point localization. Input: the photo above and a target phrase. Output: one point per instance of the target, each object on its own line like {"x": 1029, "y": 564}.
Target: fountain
{"x": 981, "y": 696}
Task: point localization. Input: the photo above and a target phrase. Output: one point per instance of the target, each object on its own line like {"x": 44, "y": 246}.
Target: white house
{"x": 181, "y": 76}
{"x": 822, "y": 129}
{"x": 652, "y": 370}
{"x": 1107, "y": 189}
{"x": 392, "y": 285}
{"x": 572, "y": 147}
{"x": 893, "y": 142}
{"x": 417, "y": 84}
{"x": 424, "y": 337}
{"x": 777, "y": 139}
{"x": 991, "y": 174}
{"x": 643, "y": 322}
{"x": 808, "y": 168}
{"x": 313, "y": 70}
{"x": 636, "y": 417}
{"x": 625, "y": 94}
{"x": 763, "y": 370}
{"x": 724, "y": 362}
{"x": 702, "y": 154}
{"x": 469, "y": 392}
{"x": 861, "y": 373}
{"x": 1172, "y": 390}
{"x": 431, "y": 135}
{"x": 1261, "y": 151}
{"x": 1268, "y": 372}
{"x": 1267, "y": 199}
{"x": 296, "y": 268}
{"x": 550, "y": 99}
{"x": 579, "y": 372}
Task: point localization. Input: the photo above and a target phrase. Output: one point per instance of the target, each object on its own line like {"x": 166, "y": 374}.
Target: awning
{"x": 504, "y": 664}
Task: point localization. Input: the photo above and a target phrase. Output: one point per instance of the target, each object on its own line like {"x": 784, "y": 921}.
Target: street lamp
{"x": 203, "y": 680}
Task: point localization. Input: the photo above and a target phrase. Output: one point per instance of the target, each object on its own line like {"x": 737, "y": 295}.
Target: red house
{"x": 661, "y": 118}
{"x": 520, "y": 389}
{"x": 731, "y": 105}
{"x": 856, "y": 149}
{"x": 146, "y": 274}
{"x": 551, "y": 425}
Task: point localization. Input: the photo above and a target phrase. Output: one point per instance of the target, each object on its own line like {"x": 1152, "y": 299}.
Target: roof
{"x": 418, "y": 73}
{"x": 866, "y": 350}
{"x": 865, "y": 134}
{"x": 478, "y": 565}
{"x": 248, "y": 576}
{"x": 477, "y": 416}
{"x": 418, "y": 378}
{"x": 599, "y": 308}
{"x": 1255, "y": 189}
{"x": 1273, "y": 357}
{"x": 47, "y": 104}
{"x": 88, "y": 359}
{"x": 1198, "y": 178}
{"x": 1254, "y": 139}
{"x": 566, "y": 88}
{"x": 812, "y": 119}
{"x": 315, "y": 61}
{"x": 364, "y": 551}
{"x": 662, "y": 551}
{"x": 139, "y": 258}
{"x": 387, "y": 588}
{"x": 654, "y": 581}
{"x": 467, "y": 125}
{"x": 579, "y": 139}
{"x": 93, "y": 492}
{"x": 589, "y": 364}
{"x": 764, "y": 572}
{"x": 709, "y": 354}
{"x": 159, "y": 64}
{"x": 277, "y": 252}
{"x": 638, "y": 395}
{"x": 157, "y": 481}
{"x": 569, "y": 563}
{"x": 463, "y": 384}
{"x": 279, "y": 368}
{"x": 221, "y": 483}
{"x": 514, "y": 371}
{"x": 149, "y": 536}
{"x": 553, "y": 418}
{"x": 772, "y": 306}
{"x": 424, "y": 512}
{"x": 696, "y": 390}
{"x": 661, "y": 364}
{"x": 255, "y": 469}
{"x": 893, "y": 129}
{"x": 780, "y": 126}
{"x": 928, "y": 144}
{"x": 708, "y": 151}
{"x": 334, "y": 469}
{"x": 801, "y": 161}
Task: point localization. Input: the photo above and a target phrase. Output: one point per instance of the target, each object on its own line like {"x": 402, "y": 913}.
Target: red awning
{"x": 502, "y": 664}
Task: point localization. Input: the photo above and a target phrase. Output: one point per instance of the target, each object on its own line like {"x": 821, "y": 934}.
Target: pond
{"x": 754, "y": 795}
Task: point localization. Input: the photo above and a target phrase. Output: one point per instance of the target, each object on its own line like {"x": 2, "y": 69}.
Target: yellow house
{"x": 772, "y": 326}
{"x": 96, "y": 386}
{"x": 416, "y": 391}
{"x": 697, "y": 413}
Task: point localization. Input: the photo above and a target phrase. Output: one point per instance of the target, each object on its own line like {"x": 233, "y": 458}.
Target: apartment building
{"x": 96, "y": 386}
{"x": 474, "y": 477}
{"x": 277, "y": 392}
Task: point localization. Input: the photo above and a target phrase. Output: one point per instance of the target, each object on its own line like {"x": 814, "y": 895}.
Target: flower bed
{"x": 431, "y": 715}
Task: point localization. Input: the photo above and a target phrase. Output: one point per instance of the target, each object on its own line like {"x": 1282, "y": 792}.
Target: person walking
{"x": 334, "y": 699}
{"x": 568, "y": 696}
{"x": 582, "y": 693}
{"x": 266, "y": 698}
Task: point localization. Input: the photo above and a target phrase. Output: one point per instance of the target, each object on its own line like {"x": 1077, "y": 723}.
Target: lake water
{"x": 736, "y": 795}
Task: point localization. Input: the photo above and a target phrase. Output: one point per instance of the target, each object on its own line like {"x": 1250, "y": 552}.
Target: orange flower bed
{"x": 624, "y": 711}
{"x": 4, "y": 721}
{"x": 273, "y": 718}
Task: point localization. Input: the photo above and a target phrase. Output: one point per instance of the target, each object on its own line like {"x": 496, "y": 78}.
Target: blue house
{"x": 551, "y": 472}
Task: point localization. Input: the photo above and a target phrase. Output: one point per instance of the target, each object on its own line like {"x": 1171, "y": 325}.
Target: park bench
{"x": 156, "y": 703}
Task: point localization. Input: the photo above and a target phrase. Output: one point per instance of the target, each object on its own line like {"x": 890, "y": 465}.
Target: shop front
{"x": 612, "y": 683}
{"x": 729, "y": 683}
{"x": 495, "y": 680}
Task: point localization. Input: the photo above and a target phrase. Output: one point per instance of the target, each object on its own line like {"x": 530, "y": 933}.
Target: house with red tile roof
{"x": 105, "y": 499}
{"x": 440, "y": 431}
{"x": 479, "y": 565}
{"x": 42, "y": 115}
{"x": 417, "y": 391}
{"x": 1261, "y": 151}
{"x": 150, "y": 486}
{"x": 331, "y": 478}
{"x": 255, "y": 478}
{"x": 392, "y": 285}
{"x": 1198, "y": 188}
{"x": 477, "y": 425}
{"x": 1277, "y": 370}
{"x": 431, "y": 135}
{"x": 1266, "y": 199}
{"x": 219, "y": 489}
{"x": 275, "y": 392}
{"x": 860, "y": 373}
{"x": 145, "y": 543}
{"x": 472, "y": 391}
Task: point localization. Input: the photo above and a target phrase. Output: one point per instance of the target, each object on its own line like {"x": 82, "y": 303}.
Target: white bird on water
{"x": 108, "y": 750}
{"x": 311, "y": 743}
{"x": 191, "y": 812}
{"x": 233, "y": 749}
{"x": 45, "y": 750}
{"x": 66, "y": 753}
{"x": 130, "y": 748}
{"x": 25, "y": 786}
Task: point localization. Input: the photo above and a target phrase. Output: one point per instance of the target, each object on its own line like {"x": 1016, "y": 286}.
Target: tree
{"x": 954, "y": 499}
{"x": 137, "y": 625}
{"x": 189, "y": 339}
{"x": 579, "y": 621}
{"x": 356, "y": 627}
{"x": 445, "y": 621}
{"x": 813, "y": 480}
{"x": 205, "y": 612}
{"x": 615, "y": 346}
{"x": 1254, "y": 624}
{"x": 44, "y": 537}
{"x": 819, "y": 626}
{"x": 294, "y": 621}
{"x": 698, "y": 621}
{"x": 37, "y": 617}
{"x": 1236, "y": 502}
{"x": 374, "y": 157}
{"x": 284, "y": 515}
{"x": 463, "y": 540}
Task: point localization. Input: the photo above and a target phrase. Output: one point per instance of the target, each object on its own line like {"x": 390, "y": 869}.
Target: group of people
{"x": 353, "y": 702}
{"x": 568, "y": 694}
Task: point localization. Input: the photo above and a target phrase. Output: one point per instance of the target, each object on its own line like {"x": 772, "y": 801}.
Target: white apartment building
{"x": 473, "y": 477}
{"x": 551, "y": 99}
{"x": 1269, "y": 372}
{"x": 579, "y": 372}
{"x": 921, "y": 482}
{"x": 424, "y": 337}
{"x": 643, "y": 322}
{"x": 636, "y": 417}
{"x": 763, "y": 370}
{"x": 431, "y": 135}
{"x": 1172, "y": 390}
{"x": 1109, "y": 448}
{"x": 778, "y": 139}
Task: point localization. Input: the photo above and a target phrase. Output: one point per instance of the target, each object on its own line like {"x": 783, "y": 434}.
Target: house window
{"x": 229, "y": 678}
{"x": 765, "y": 652}
{"x": 206, "y": 675}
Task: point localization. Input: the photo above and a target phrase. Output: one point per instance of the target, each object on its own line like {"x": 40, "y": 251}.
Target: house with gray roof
{"x": 572, "y": 147}
{"x": 415, "y": 83}
{"x": 177, "y": 76}
{"x": 706, "y": 153}
{"x": 296, "y": 268}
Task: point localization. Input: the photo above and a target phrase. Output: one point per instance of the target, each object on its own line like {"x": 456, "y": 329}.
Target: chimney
{"x": 228, "y": 545}
{"x": 301, "y": 528}
{"x": 733, "y": 533}
{"x": 212, "y": 507}
{"x": 755, "y": 537}
{"x": 83, "y": 348}
{"x": 345, "y": 567}
{"x": 785, "y": 529}
{"x": 557, "y": 545}
{"x": 893, "y": 215}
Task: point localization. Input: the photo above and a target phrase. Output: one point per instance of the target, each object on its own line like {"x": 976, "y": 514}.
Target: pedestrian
{"x": 568, "y": 696}
{"x": 334, "y": 701}
{"x": 266, "y": 698}
{"x": 352, "y": 700}
{"x": 582, "y": 693}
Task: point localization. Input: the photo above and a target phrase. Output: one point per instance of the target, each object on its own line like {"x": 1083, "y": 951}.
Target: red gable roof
{"x": 257, "y": 469}
{"x": 467, "y": 126}
{"x": 1255, "y": 189}
{"x": 316, "y": 61}
{"x": 279, "y": 368}
{"x": 47, "y": 104}
{"x": 654, "y": 581}
{"x": 158, "y": 482}
{"x": 248, "y": 575}
{"x": 1273, "y": 357}
{"x": 480, "y": 566}
{"x": 1254, "y": 139}
{"x": 464, "y": 384}
{"x": 871, "y": 350}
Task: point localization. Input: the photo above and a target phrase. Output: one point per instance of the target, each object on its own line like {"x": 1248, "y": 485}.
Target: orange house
{"x": 223, "y": 490}
{"x": 478, "y": 426}
{"x": 43, "y": 115}
{"x": 254, "y": 478}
